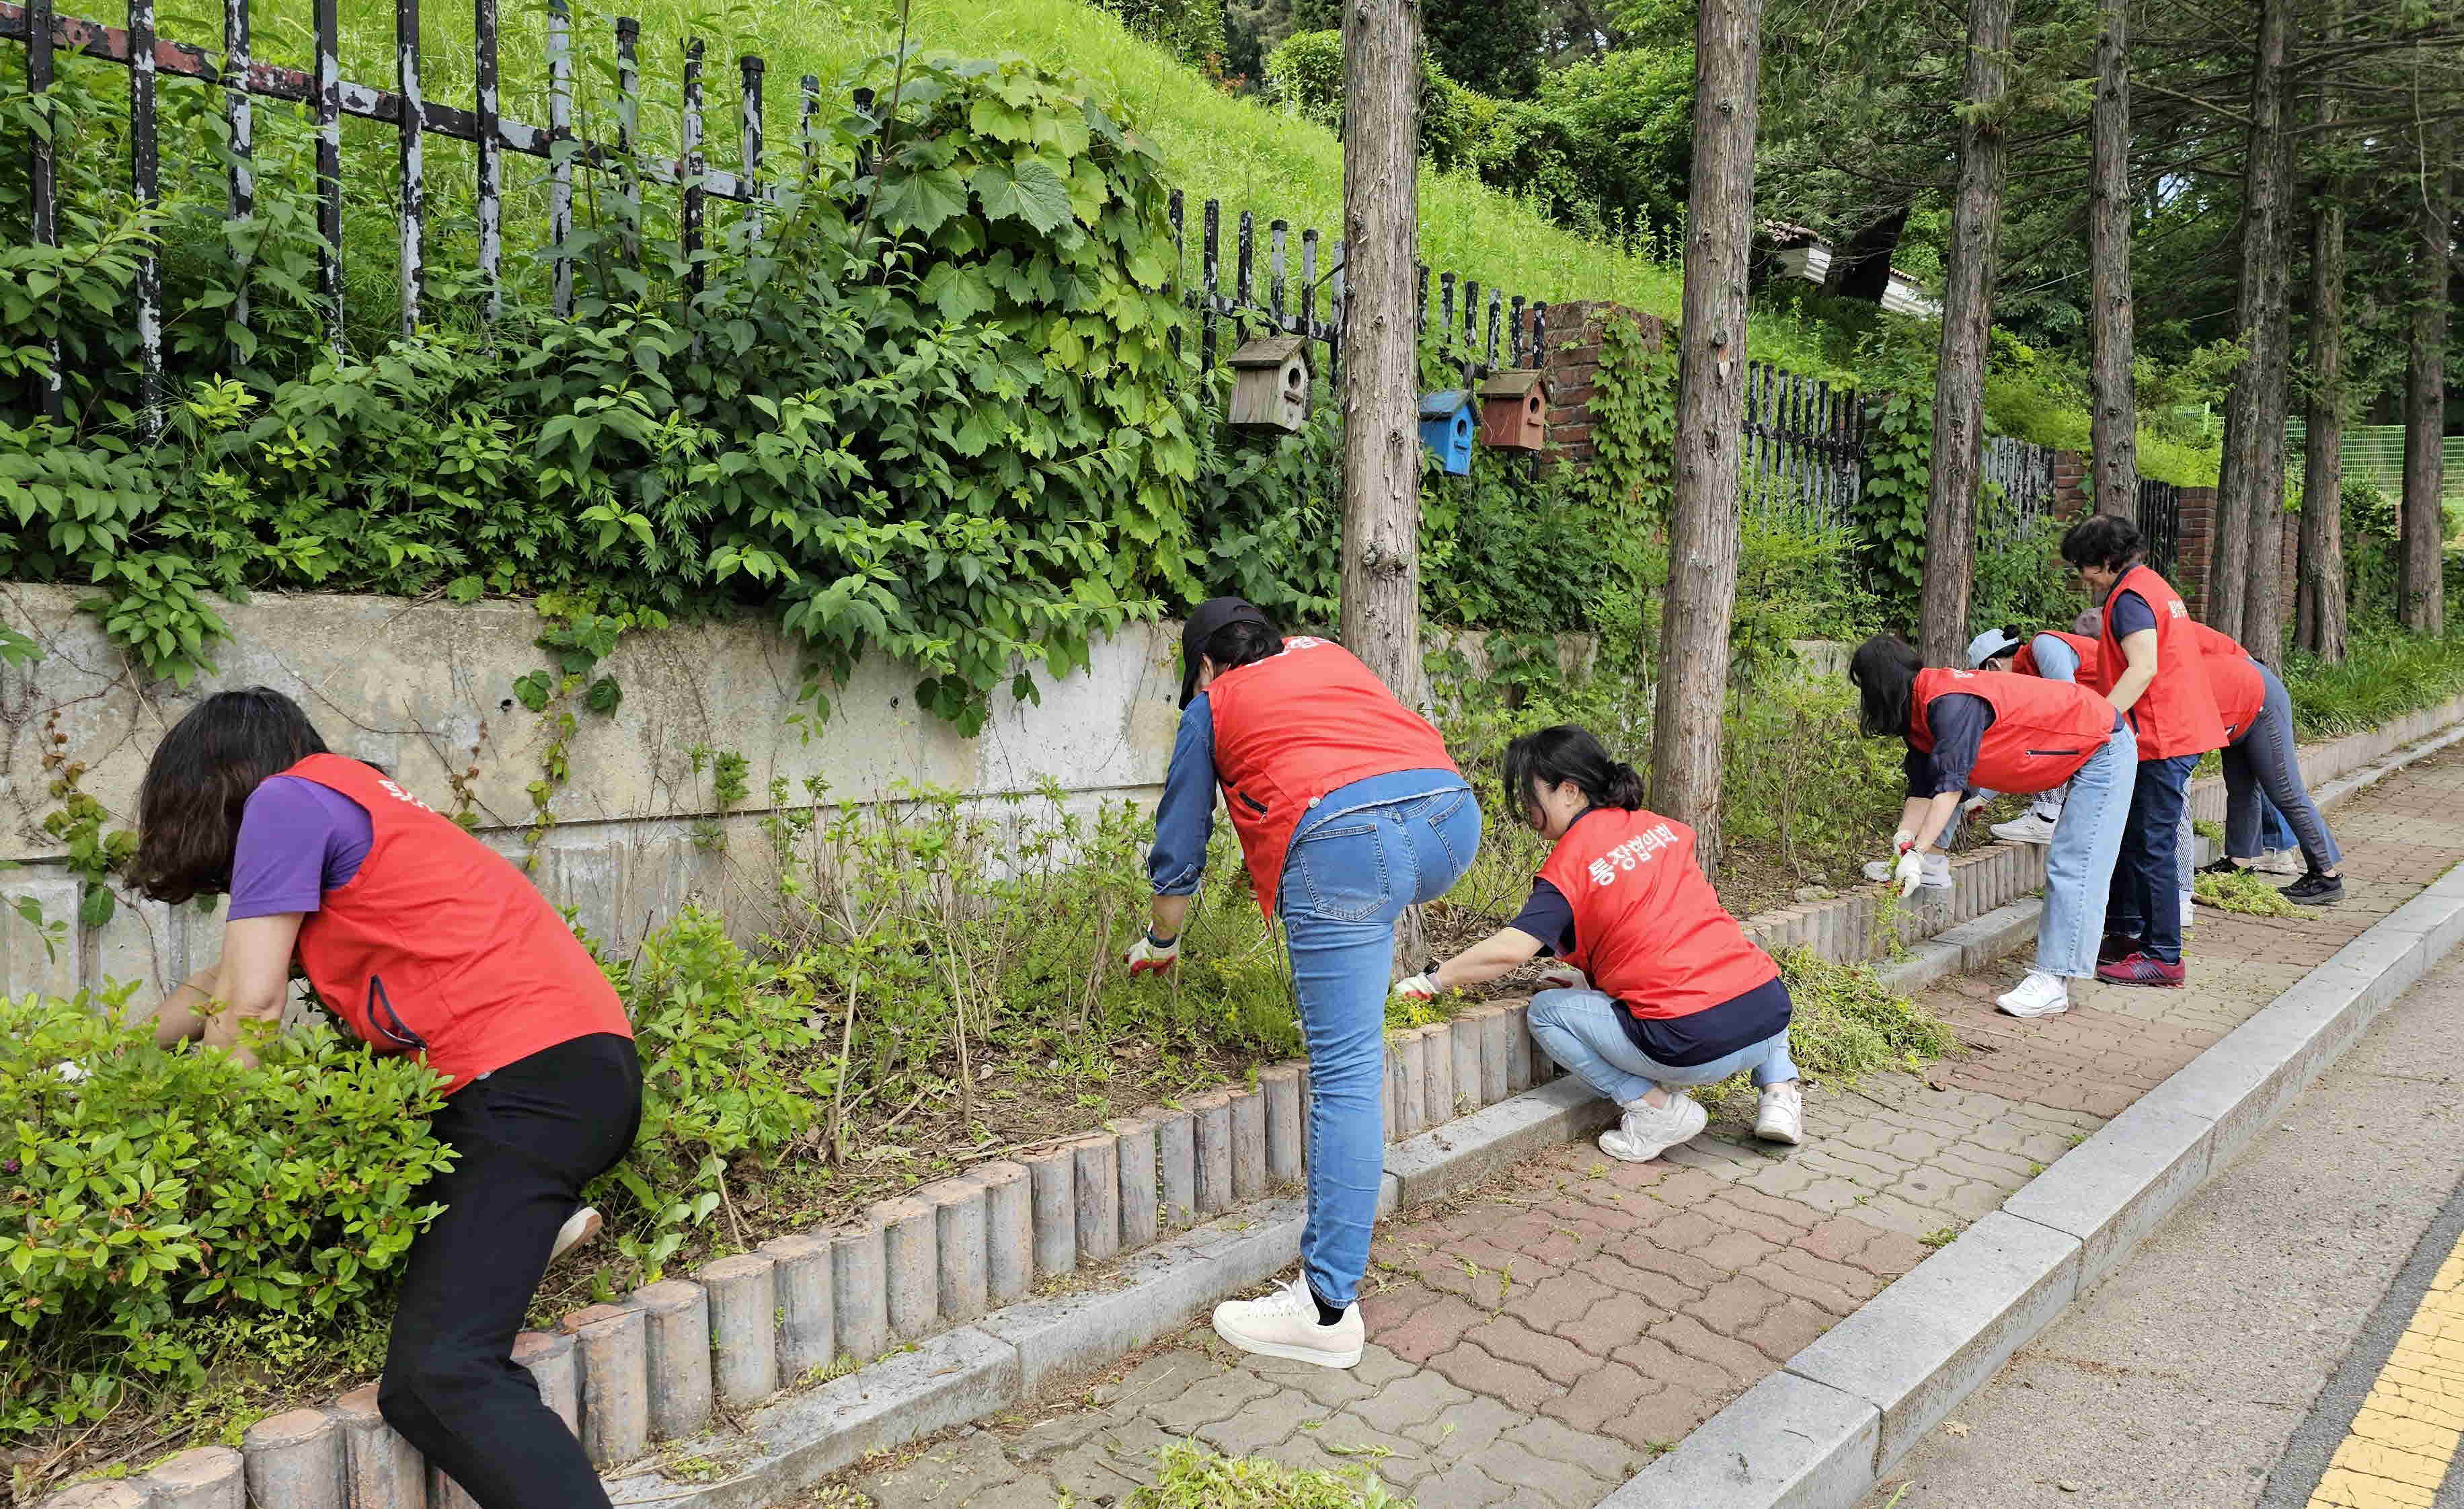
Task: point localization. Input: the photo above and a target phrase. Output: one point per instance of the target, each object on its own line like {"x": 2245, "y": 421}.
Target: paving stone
{"x": 948, "y": 1475}
{"x": 1209, "y": 1398}
{"x": 1469, "y": 1368}
{"x": 1251, "y": 1431}
{"x": 1563, "y": 1483}
{"x": 1414, "y": 1400}
{"x": 1554, "y": 1358}
{"x": 1458, "y": 1487}
{"x": 1465, "y": 1428}
{"x": 1607, "y": 1392}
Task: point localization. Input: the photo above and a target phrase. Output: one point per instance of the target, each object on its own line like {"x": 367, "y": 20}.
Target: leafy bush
{"x": 171, "y": 1192}
{"x": 730, "y": 1069}
{"x": 2017, "y": 579}
{"x": 2242, "y": 892}
{"x": 2387, "y": 674}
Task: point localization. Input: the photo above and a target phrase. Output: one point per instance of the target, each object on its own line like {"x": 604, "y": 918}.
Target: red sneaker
{"x": 2140, "y": 970}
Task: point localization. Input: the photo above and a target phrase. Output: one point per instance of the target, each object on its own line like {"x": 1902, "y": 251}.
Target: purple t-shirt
{"x": 297, "y": 840}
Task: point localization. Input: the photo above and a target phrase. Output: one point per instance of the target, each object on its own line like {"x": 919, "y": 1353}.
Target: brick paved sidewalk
{"x": 1536, "y": 1340}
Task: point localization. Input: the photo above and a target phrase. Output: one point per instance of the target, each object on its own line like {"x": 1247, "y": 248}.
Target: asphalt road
{"x": 2225, "y": 1366}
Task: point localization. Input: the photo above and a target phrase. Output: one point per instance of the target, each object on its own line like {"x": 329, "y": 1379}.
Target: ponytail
{"x": 1568, "y": 752}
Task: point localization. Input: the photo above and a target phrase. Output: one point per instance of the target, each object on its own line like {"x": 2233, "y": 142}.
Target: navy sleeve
{"x": 1548, "y": 916}
{"x": 2130, "y": 614}
{"x": 1185, "y": 816}
{"x": 1959, "y": 720}
{"x": 1918, "y": 767}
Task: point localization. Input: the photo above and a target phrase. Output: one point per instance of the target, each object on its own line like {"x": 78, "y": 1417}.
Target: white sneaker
{"x": 2029, "y": 827}
{"x": 2040, "y": 995}
{"x": 1647, "y": 1131}
{"x": 1782, "y": 1118}
{"x": 1284, "y": 1323}
{"x": 2189, "y": 908}
{"x": 2284, "y": 862}
{"x": 1937, "y": 872}
{"x": 578, "y": 1230}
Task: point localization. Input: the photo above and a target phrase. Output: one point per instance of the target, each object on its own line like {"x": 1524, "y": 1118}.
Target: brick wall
{"x": 1571, "y": 365}
{"x": 2197, "y": 545}
{"x": 2071, "y": 498}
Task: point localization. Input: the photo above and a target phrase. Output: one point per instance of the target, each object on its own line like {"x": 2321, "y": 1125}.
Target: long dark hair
{"x": 1884, "y": 672}
{"x": 189, "y": 808}
{"x": 1568, "y": 752}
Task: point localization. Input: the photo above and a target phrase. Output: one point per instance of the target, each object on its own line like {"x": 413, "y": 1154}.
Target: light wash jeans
{"x": 1581, "y": 1030}
{"x": 1351, "y": 870}
{"x": 2078, "y": 865}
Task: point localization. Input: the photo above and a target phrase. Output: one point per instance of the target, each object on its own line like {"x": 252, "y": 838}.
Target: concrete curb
{"x": 1821, "y": 1432}
{"x": 922, "y": 1269}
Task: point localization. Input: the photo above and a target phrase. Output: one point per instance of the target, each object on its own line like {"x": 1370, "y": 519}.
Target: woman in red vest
{"x": 1347, "y": 811}
{"x": 2263, "y": 785}
{"x": 421, "y": 940}
{"x": 1972, "y": 729}
{"x": 2153, "y": 675}
{"x": 1665, "y": 990}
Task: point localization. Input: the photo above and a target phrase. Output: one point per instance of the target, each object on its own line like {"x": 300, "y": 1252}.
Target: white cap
{"x": 1991, "y": 645}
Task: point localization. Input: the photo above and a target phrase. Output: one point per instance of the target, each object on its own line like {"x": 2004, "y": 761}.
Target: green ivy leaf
{"x": 604, "y": 695}
{"x": 921, "y": 201}
{"x": 97, "y": 907}
{"x": 1027, "y": 192}
{"x": 534, "y": 690}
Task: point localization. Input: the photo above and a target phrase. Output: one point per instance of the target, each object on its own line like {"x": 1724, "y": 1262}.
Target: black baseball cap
{"x": 1211, "y": 615}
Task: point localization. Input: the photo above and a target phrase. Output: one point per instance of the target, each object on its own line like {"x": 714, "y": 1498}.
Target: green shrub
{"x": 171, "y": 1194}
{"x": 1848, "y": 1023}
{"x": 730, "y": 1068}
{"x": 2386, "y": 674}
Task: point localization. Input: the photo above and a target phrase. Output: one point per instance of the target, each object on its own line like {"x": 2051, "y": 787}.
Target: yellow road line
{"x": 2408, "y": 1429}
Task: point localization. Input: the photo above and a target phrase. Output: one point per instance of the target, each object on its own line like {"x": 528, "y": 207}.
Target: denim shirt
{"x": 1185, "y": 816}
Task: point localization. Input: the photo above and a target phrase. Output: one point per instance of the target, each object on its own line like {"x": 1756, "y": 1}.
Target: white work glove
{"x": 1903, "y": 840}
{"x": 1147, "y": 956}
{"x": 1909, "y": 872}
{"x": 1419, "y": 988}
{"x": 1563, "y": 978}
{"x": 1973, "y": 804}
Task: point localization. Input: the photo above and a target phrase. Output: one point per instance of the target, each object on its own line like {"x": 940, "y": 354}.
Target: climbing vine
{"x": 1899, "y": 475}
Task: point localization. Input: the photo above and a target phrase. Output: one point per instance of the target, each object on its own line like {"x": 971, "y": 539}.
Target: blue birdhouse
{"x": 1446, "y": 426}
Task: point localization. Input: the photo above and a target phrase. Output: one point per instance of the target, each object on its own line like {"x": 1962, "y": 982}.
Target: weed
{"x": 1189, "y": 1477}
{"x": 1940, "y": 1236}
{"x": 2243, "y": 892}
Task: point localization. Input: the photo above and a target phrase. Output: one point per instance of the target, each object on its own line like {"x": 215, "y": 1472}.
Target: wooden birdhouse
{"x": 1515, "y": 411}
{"x": 1446, "y": 428}
{"x": 1271, "y": 384}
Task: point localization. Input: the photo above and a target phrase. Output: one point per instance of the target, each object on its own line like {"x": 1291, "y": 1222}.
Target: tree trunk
{"x": 2114, "y": 419}
{"x": 1966, "y": 319}
{"x": 2425, "y": 399}
{"x": 2318, "y": 584}
{"x": 1381, "y": 401}
{"x": 2244, "y": 590}
{"x": 1710, "y": 407}
{"x": 1862, "y": 269}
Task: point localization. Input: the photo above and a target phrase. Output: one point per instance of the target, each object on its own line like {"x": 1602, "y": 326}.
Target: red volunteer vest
{"x": 2232, "y": 676}
{"x": 439, "y": 945}
{"x": 2041, "y": 733}
{"x": 2177, "y": 713}
{"x": 1291, "y": 728}
{"x": 1648, "y": 928}
{"x": 2024, "y": 662}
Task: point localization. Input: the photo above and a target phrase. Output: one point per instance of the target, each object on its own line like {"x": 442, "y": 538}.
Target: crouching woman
{"x": 1676, "y": 993}
{"x": 422, "y": 941}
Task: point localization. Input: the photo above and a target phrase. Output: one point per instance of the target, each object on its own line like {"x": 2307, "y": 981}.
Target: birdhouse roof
{"x": 1514, "y": 385}
{"x": 1271, "y": 351}
{"x": 1445, "y": 402}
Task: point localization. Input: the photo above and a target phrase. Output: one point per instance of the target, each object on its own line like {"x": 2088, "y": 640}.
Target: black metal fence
{"x": 1804, "y": 453}
{"x": 2160, "y": 523}
{"x": 329, "y": 96}
{"x": 2024, "y": 471}
{"x": 1483, "y": 331}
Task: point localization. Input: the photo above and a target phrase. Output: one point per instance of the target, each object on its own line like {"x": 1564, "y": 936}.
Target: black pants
{"x": 530, "y": 1136}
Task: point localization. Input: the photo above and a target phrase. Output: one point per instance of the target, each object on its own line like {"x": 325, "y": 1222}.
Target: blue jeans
{"x": 2078, "y": 865}
{"x": 1351, "y": 870}
{"x": 1582, "y": 1030}
{"x": 2144, "y": 900}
